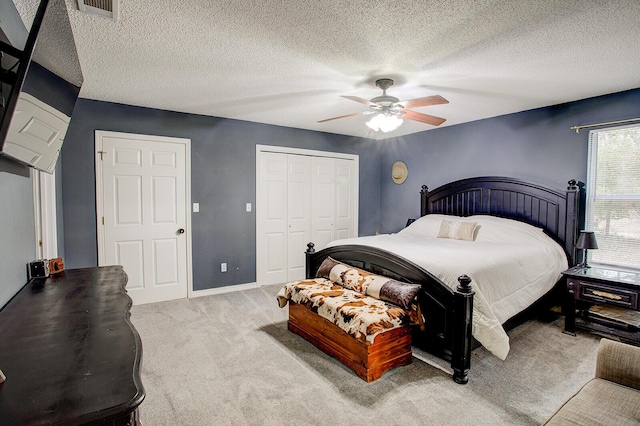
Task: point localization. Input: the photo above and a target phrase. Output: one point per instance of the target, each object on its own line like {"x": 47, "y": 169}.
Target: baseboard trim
{"x": 222, "y": 290}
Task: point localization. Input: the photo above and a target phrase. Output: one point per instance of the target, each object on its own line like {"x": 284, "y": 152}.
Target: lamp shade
{"x": 587, "y": 240}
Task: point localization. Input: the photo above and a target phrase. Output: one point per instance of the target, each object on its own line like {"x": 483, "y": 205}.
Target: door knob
{"x": 181, "y": 231}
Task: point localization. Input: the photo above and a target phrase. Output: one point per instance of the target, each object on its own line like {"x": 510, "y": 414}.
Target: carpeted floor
{"x": 230, "y": 360}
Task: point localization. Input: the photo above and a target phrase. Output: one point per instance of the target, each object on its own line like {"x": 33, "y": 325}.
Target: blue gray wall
{"x": 536, "y": 145}
{"x": 17, "y": 230}
{"x": 222, "y": 180}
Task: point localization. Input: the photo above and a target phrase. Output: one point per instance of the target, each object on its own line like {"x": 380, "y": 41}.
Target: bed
{"x": 447, "y": 299}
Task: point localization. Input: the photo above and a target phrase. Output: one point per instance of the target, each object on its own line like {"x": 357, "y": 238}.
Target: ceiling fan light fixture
{"x": 389, "y": 111}
{"x": 384, "y": 122}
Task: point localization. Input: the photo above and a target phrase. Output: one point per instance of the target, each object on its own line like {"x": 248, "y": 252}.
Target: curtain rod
{"x": 577, "y": 128}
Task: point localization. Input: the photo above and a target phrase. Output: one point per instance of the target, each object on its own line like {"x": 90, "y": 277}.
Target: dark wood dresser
{"x": 69, "y": 352}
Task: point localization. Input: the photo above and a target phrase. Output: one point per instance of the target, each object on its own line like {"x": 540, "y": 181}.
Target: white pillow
{"x": 496, "y": 229}
{"x": 457, "y": 230}
{"x": 428, "y": 225}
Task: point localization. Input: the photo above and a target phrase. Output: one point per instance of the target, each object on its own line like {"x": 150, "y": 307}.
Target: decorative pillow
{"x": 457, "y": 230}
{"x": 377, "y": 286}
{"x": 396, "y": 292}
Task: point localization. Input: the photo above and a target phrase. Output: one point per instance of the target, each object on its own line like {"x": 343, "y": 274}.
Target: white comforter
{"x": 512, "y": 264}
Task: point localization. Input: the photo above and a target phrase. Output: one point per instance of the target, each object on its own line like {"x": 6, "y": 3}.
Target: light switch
{"x": 248, "y": 207}
{"x": 196, "y": 207}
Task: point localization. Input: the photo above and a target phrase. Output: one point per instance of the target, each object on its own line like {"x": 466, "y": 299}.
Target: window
{"x": 613, "y": 195}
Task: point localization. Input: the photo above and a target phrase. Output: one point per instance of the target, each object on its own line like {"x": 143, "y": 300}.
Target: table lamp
{"x": 586, "y": 241}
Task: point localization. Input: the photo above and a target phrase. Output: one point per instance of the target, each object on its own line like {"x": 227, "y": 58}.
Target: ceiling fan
{"x": 390, "y": 110}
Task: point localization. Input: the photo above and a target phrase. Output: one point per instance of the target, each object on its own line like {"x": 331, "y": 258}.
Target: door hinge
{"x": 103, "y": 220}
{"x": 102, "y": 154}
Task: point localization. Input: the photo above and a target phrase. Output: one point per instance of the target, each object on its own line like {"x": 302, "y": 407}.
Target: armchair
{"x": 613, "y": 396}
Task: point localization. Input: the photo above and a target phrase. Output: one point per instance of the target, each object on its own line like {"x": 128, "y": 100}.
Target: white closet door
{"x": 299, "y": 214}
{"x": 344, "y": 215}
{"x": 302, "y": 197}
{"x": 323, "y": 201}
{"x": 272, "y": 262}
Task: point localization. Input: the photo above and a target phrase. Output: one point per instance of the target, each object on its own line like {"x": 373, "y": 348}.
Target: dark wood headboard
{"x": 557, "y": 212}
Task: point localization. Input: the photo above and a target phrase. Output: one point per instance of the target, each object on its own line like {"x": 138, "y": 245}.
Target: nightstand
{"x": 603, "y": 300}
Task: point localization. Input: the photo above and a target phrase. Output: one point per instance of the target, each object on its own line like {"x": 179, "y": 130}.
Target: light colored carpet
{"x": 229, "y": 360}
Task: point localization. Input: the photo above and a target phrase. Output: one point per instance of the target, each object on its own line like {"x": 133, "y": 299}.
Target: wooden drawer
{"x": 600, "y": 293}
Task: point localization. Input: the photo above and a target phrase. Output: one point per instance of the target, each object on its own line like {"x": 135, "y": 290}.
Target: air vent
{"x": 104, "y": 8}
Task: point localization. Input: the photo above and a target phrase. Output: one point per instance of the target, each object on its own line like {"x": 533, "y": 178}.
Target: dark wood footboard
{"x": 447, "y": 312}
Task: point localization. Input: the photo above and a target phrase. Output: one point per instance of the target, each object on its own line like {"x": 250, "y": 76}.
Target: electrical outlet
{"x": 196, "y": 207}
{"x": 248, "y": 207}
{"x": 223, "y": 267}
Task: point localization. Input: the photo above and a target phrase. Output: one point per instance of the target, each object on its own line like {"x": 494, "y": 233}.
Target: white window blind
{"x": 613, "y": 195}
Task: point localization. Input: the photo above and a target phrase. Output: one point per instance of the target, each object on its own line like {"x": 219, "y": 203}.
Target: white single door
{"x": 144, "y": 194}
{"x": 44, "y": 203}
{"x": 272, "y": 240}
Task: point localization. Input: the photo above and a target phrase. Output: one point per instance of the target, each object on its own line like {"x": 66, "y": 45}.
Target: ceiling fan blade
{"x": 360, "y": 100}
{"x": 426, "y": 101}
{"x": 345, "y": 116}
{"x": 424, "y": 118}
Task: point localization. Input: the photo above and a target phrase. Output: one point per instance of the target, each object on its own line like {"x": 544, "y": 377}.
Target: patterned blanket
{"x": 363, "y": 317}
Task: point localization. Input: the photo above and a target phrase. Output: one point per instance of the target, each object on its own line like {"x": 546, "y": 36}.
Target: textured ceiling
{"x": 285, "y": 62}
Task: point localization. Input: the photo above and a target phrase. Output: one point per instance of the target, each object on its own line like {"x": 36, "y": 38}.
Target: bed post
{"x": 572, "y": 220}
{"x": 308, "y": 266}
{"x": 424, "y": 207}
{"x": 462, "y": 317}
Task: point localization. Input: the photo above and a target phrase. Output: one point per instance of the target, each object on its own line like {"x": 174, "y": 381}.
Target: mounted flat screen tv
{"x": 40, "y": 81}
